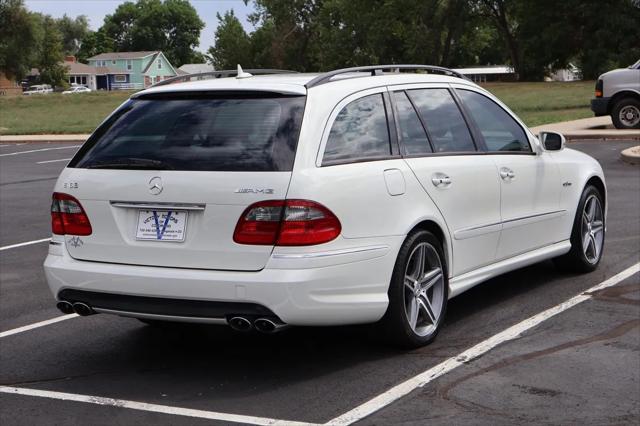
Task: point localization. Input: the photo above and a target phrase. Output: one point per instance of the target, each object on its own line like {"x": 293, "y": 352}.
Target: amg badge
{"x": 254, "y": 191}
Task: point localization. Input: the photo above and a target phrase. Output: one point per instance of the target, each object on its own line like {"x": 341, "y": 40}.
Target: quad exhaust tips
{"x": 79, "y": 308}
{"x": 263, "y": 325}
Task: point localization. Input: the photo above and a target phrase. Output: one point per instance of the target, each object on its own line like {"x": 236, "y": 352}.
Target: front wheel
{"x": 418, "y": 292}
{"x": 587, "y": 235}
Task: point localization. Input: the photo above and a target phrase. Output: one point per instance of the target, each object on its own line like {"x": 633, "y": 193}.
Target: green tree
{"x": 94, "y": 43}
{"x": 73, "y": 31}
{"x": 231, "y": 44}
{"x": 18, "y": 39}
{"x": 172, "y": 26}
{"x": 50, "y": 53}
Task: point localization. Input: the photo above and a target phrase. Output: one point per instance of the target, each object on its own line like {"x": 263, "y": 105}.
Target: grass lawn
{"x": 535, "y": 103}
{"x": 542, "y": 103}
{"x": 57, "y": 113}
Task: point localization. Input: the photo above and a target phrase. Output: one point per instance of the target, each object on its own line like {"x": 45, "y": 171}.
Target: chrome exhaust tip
{"x": 240, "y": 324}
{"x": 265, "y": 325}
{"x": 65, "y": 307}
{"x": 83, "y": 309}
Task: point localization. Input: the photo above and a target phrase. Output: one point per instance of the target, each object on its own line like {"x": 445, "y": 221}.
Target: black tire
{"x": 630, "y": 105}
{"x": 394, "y": 325}
{"x": 576, "y": 260}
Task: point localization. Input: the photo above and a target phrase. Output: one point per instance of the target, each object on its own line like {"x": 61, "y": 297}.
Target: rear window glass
{"x": 198, "y": 133}
{"x": 359, "y": 131}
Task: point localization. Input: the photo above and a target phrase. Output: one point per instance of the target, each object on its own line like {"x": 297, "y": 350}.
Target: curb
{"x": 605, "y": 137}
{"x": 631, "y": 155}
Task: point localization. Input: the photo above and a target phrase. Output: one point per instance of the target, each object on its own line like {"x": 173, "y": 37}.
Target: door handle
{"x": 441, "y": 180}
{"x": 507, "y": 174}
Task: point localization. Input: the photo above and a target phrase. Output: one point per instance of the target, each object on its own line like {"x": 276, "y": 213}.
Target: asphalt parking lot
{"x": 512, "y": 351}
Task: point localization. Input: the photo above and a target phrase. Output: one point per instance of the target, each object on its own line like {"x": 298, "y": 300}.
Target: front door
{"x": 529, "y": 181}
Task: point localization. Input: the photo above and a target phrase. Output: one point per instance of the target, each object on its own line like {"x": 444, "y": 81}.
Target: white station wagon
{"x": 362, "y": 195}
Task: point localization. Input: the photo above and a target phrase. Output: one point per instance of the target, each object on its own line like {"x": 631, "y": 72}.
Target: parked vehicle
{"x": 38, "y": 89}
{"x": 618, "y": 95}
{"x": 363, "y": 195}
{"x": 76, "y": 89}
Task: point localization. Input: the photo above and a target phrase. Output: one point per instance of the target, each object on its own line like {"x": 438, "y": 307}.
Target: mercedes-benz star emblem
{"x": 155, "y": 185}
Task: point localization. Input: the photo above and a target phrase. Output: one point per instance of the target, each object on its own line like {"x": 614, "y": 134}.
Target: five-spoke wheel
{"x": 418, "y": 292}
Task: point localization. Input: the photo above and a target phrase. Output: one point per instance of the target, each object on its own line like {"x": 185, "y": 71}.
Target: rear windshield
{"x": 204, "y": 133}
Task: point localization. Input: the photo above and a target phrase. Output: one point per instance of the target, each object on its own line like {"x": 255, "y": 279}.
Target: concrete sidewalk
{"x": 43, "y": 138}
{"x": 589, "y": 128}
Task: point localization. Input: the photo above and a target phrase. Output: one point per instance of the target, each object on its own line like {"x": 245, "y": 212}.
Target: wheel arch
{"x": 619, "y": 96}
{"x": 596, "y": 181}
{"x": 439, "y": 232}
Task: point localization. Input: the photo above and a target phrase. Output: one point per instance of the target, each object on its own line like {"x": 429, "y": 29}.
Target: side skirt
{"x": 464, "y": 282}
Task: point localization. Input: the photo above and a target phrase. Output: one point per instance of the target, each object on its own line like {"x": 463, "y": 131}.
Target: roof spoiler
{"x": 380, "y": 70}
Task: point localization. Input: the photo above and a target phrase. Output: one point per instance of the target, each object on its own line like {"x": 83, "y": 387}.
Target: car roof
{"x": 295, "y": 83}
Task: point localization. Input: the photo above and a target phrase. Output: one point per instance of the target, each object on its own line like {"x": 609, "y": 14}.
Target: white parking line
{"x": 28, "y": 243}
{"x": 481, "y": 348}
{"x": 39, "y": 150}
{"x": 53, "y": 161}
{"x": 155, "y": 408}
{"x": 36, "y": 325}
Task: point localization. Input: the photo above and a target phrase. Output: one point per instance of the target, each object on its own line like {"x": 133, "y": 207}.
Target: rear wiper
{"x": 131, "y": 164}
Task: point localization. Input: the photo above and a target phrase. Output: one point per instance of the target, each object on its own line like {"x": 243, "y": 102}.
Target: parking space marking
{"x": 53, "y": 161}
{"x": 155, "y": 408}
{"x": 28, "y": 243}
{"x": 36, "y": 325}
{"x": 511, "y": 333}
{"x": 39, "y": 150}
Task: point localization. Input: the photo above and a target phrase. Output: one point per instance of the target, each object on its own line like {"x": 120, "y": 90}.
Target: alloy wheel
{"x": 592, "y": 229}
{"x": 424, "y": 289}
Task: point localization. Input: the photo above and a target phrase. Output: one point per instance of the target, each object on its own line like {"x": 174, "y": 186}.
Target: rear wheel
{"x": 587, "y": 235}
{"x": 626, "y": 114}
{"x": 418, "y": 292}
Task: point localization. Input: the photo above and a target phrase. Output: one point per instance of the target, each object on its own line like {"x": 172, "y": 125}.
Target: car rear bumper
{"x": 333, "y": 288}
{"x": 600, "y": 106}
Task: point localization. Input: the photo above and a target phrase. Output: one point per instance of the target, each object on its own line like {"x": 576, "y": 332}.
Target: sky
{"x": 96, "y": 10}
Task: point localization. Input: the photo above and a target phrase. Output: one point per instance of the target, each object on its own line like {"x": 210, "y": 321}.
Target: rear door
{"x": 462, "y": 182}
{"x": 165, "y": 179}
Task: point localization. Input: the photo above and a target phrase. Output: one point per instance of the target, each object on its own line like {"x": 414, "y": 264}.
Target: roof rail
{"x": 217, "y": 74}
{"x": 379, "y": 69}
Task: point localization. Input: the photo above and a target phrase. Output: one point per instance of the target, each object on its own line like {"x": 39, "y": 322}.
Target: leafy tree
{"x": 50, "y": 53}
{"x": 232, "y": 44}
{"x": 94, "y": 43}
{"x": 172, "y": 26}
{"x": 74, "y": 31}
{"x": 18, "y": 39}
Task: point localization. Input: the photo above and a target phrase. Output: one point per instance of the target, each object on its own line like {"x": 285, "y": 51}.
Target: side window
{"x": 414, "y": 139}
{"x": 499, "y": 130}
{"x": 446, "y": 126}
{"x": 359, "y": 131}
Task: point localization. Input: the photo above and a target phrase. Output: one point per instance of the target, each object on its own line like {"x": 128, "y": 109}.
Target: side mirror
{"x": 552, "y": 141}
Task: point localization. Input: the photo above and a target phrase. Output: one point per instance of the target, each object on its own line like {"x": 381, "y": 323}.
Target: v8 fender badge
{"x": 75, "y": 242}
{"x": 254, "y": 191}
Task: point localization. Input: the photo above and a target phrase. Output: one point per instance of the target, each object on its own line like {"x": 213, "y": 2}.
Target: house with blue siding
{"x": 130, "y": 70}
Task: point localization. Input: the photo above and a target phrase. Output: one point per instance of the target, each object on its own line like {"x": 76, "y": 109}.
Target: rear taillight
{"x": 68, "y": 216}
{"x": 286, "y": 223}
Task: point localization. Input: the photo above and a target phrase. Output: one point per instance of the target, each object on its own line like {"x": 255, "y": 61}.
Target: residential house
{"x": 9, "y": 86}
{"x": 79, "y": 73}
{"x": 130, "y": 70}
{"x": 482, "y": 74}
{"x": 195, "y": 69}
